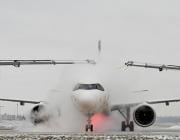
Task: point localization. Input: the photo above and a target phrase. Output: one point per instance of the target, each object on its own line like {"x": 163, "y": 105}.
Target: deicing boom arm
{"x": 18, "y": 63}
{"x": 154, "y": 66}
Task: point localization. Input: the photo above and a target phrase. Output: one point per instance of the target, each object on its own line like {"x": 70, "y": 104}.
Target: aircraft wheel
{"x": 91, "y": 128}
{"x": 86, "y": 128}
{"x": 131, "y": 126}
{"x": 123, "y": 126}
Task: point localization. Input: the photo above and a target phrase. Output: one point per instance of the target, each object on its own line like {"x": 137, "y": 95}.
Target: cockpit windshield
{"x": 88, "y": 87}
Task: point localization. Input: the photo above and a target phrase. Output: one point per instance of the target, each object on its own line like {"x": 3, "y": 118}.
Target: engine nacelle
{"x": 144, "y": 116}
{"x": 39, "y": 114}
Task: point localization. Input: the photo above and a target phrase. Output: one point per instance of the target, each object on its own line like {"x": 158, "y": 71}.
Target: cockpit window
{"x": 89, "y": 87}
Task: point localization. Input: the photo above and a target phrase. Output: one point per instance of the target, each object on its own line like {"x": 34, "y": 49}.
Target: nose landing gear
{"x": 89, "y": 126}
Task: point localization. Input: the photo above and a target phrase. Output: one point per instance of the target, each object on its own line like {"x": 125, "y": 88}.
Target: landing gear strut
{"x": 89, "y": 126}
{"x": 127, "y": 123}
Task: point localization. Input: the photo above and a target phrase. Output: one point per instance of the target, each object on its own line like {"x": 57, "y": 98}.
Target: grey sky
{"x": 146, "y": 31}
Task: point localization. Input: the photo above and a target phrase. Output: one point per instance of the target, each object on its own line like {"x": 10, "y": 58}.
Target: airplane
{"x": 91, "y": 98}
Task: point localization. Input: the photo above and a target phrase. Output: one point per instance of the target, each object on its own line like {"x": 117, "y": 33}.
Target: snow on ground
{"x": 127, "y": 136}
{"x": 21, "y": 130}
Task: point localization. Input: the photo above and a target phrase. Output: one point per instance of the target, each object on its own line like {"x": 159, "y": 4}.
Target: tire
{"x": 131, "y": 126}
{"x": 91, "y": 128}
{"x": 123, "y": 126}
{"x": 86, "y": 129}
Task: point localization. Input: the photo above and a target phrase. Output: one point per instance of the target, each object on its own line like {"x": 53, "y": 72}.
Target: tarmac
{"x": 9, "y": 131}
{"x": 14, "y": 135}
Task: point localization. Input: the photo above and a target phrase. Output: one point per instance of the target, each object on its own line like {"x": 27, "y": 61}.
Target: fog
{"x": 145, "y": 31}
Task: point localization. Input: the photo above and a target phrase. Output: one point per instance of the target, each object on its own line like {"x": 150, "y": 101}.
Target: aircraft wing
{"x": 160, "y": 67}
{"x": 125, "y": 106}
{"x": 22, "y": 102}
{"x": 167, "y": 102}
{"x": 18, "y": 63}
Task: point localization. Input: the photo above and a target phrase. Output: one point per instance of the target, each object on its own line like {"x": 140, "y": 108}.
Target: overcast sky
{"x": 145, "y": 31}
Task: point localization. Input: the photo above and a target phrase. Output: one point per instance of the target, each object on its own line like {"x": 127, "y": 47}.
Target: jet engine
{"x": 144, "y": 116}
{"x": 39, "y": 114}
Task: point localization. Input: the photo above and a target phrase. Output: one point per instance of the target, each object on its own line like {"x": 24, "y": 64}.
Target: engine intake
{"x": 144, "y": 116}
{"x": 39, "y": 114}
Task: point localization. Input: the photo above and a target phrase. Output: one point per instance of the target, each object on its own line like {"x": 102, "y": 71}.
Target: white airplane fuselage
{"x": 91, "y": 101}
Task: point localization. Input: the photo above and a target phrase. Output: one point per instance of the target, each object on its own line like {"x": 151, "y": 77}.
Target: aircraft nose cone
{"x": 89, "y": 96}
{"x": 88, "y": 99}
